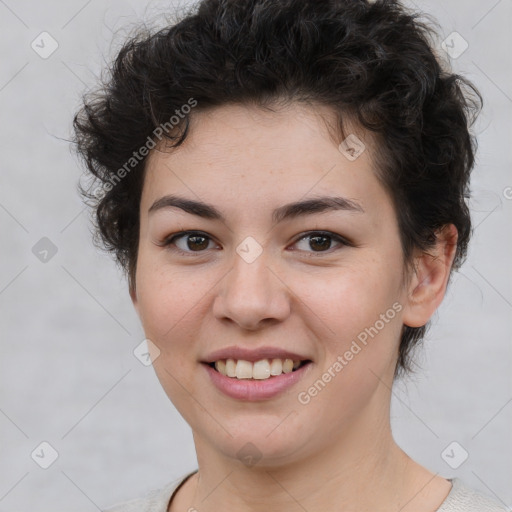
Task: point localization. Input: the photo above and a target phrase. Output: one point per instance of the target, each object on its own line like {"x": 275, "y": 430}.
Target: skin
{"x": 338, "y": 449}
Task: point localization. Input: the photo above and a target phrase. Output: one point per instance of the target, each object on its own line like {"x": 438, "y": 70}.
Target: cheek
{"x": 166, "y": 297}
{"x": 362, "y": 311}
{"x": 170, "y": 304}
{"x": 361, "y": 308}
{"x": 350, "y": 298}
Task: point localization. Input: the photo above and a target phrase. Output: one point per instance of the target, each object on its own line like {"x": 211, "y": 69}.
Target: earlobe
{"x": 427, "y": 286}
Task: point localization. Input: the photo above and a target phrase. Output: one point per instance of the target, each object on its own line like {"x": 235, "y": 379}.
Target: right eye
{"x": 192, "y": 240}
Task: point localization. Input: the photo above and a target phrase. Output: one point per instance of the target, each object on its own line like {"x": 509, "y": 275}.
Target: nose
{"x": 252, "y": 294}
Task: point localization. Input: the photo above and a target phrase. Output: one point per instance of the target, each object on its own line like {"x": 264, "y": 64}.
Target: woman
{"x": 284, "y": 183}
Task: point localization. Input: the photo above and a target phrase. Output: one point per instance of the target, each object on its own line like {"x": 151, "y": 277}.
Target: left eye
{"x": 195, "y": 242}
{"x": 322, "y": 240}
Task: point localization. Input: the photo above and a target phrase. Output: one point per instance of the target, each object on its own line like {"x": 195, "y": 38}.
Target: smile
{"x": 259, "y": 370}
{"x": 252, "y": 388}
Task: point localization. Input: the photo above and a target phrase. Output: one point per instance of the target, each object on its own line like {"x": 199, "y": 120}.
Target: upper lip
{"x": 252, "y": 355}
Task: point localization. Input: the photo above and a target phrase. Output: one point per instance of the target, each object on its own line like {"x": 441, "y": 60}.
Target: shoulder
{"x": 156, "y": 500}
{"x": 464, "y": 499}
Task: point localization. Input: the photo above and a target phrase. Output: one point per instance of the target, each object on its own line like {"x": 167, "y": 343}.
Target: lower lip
{"x": 253, "y": 389}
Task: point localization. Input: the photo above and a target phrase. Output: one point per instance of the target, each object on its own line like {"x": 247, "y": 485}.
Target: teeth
{"x": 276, "y": 367}
{"x": 243, "y": 370}
{"x": 260, "y": 370}
{"x": 230, "y": 368}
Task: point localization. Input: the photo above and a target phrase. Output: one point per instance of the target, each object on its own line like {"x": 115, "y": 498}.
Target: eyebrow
{"x": 285, "y": 212}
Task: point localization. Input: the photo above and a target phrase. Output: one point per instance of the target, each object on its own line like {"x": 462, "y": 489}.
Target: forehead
{"x": 300, "y": 128}
{"x": 240, "y": 150}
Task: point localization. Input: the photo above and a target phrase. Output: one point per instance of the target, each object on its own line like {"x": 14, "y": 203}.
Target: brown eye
{"x": 320, "y": 241}
{"x": 190, "y": 242}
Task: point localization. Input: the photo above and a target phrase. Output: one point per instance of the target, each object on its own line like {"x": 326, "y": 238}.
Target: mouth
{"x": 263, "y": 379}
{"x": 259, "y": 370}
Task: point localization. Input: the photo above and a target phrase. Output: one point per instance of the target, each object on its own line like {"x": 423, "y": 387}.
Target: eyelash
{"x": 170, "y": 240}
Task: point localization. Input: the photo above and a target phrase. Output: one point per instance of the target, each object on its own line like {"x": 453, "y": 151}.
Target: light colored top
{"x": 460, "y": 499}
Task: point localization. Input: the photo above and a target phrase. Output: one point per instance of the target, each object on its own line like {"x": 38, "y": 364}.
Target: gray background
{"x": 68, "y": 375}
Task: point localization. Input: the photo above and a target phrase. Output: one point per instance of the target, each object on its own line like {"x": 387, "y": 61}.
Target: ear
{"x": 427, "y": 286}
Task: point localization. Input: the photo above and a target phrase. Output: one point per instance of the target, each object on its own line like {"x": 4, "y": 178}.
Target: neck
{"x": 361, "y": 469}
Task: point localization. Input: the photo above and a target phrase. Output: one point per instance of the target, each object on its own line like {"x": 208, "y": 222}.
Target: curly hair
{"x": 370, "y": 62}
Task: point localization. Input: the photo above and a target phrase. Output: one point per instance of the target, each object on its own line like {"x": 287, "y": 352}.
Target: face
{"x": 323, "y": 295}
